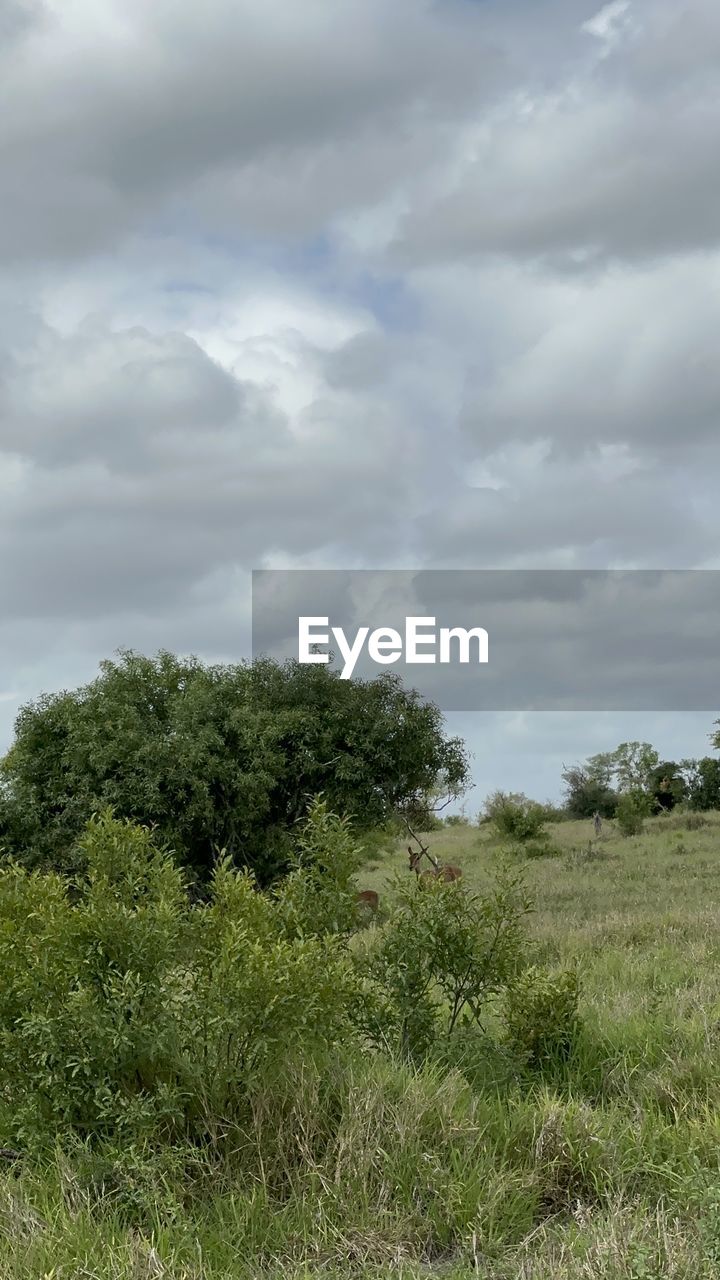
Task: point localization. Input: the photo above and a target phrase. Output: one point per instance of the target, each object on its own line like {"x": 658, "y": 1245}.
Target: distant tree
{"x": 600, "y": 768}
{"x": 667, "y": 786}
{"x": 219, "y": 757}
{"x": 632, "y": 766}
{"x": 587, "y": 794}
{"x": 702, "y": 781}
{"x": 595, "y": 786}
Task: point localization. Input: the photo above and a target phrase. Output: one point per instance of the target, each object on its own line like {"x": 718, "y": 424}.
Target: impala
{"x": 437, "y": 872}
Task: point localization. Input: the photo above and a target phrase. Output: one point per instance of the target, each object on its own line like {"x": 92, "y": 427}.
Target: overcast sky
{"x": 351, "y": 283}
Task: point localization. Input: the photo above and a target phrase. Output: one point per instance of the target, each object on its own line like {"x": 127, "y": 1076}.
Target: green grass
{"x": 608, "y": 1169}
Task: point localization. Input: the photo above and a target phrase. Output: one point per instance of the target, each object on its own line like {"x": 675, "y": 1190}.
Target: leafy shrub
{"x": 632, "y": 810}
{"x": 124, "y": 1009}
{"x": 128, "y": 1014}
{"x": 554, "y": 813}
{"x": 515, "y": 817}
{"x": 541, "y": 1015}
{"x": 317, "y": 897}
{"x": 442, "y": 956}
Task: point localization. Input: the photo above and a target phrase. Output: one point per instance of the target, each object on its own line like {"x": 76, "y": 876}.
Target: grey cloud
{"x": 365, "y": 359}
{"x": 114, "y": 122}
{"x": 142, "y": 467}
{"x": 626, "y": 359}
{"x": 16, "y": 17}
{"x": 528, "y": 752}
{"x": 102, "y": 395}
{"x": 569, "y": 517}
{"x": 616, "y": 161}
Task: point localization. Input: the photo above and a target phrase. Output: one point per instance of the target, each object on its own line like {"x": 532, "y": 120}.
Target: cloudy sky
{"x": 350, "y": 283}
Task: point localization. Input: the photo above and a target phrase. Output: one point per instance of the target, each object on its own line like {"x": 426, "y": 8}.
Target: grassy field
{"x": 608, "y": 1169}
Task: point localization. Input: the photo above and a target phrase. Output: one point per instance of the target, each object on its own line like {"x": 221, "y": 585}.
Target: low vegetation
{"x": 255, "y": 1086}
{"x": 330, "y": 1066}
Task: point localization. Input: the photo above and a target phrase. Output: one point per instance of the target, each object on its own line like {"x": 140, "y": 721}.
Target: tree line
{"x": 635, "y": 771}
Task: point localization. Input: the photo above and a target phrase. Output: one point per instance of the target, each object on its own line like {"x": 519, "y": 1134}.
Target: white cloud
{"x": 608, "y": 23}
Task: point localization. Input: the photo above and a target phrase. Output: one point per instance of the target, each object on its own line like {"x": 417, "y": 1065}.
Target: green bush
{"x": 125, "y": 1009}
{"x": 702, "y": 778}
{"x": 554, "y": 812}
{"x": 632, "y": 810}
{"x": 131, "y": 1014}
{"x": 541, "y": 1015}
{"x": 317, "y": 897}
{"x": 443, "y": 955}
{"x": 515, "y": 818}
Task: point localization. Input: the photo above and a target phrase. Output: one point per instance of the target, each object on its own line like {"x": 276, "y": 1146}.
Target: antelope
{"x": 367, "y": 898}
{"x": 446, "y": 873}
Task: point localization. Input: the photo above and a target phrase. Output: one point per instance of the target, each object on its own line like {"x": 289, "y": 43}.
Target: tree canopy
{"x": 218, "y": 757}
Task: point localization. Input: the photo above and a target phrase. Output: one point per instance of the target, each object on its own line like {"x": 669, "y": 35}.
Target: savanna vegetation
{"x": 217, "y": 1064}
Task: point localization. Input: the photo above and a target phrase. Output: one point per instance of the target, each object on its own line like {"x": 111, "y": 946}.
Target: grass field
{"x": 608, "y": 1169}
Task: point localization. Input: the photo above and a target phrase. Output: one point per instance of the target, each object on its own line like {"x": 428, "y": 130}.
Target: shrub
{"x": 554, "y": 813}
{"x": 541, "y": 1015}
{"x": 515, "y": 817}
{"x": 443, "y": 955}
{"x": 317, "y": 897}
{"x": 125, "y": 1010}
{"x": 632, "y": 810}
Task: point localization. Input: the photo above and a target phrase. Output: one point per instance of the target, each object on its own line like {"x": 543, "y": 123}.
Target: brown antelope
{"x": 446, "y": 873}
{"x": 367, "y": 898}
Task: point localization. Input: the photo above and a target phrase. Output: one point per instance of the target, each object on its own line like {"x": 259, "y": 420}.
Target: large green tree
{"x": 219, "y": 757}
